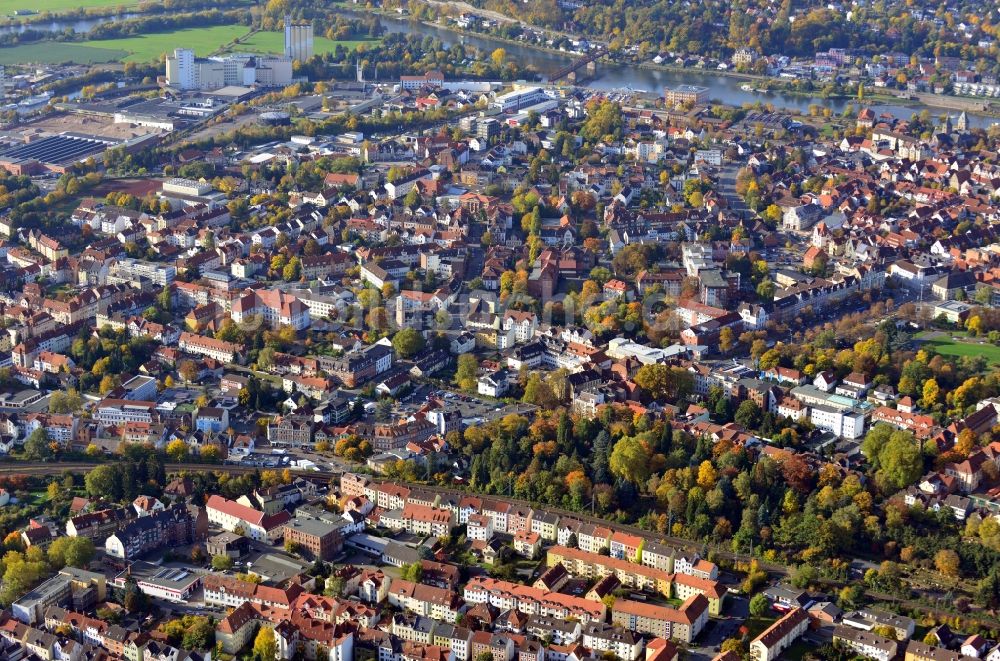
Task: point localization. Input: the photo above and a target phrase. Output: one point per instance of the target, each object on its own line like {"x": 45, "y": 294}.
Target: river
{"x": 726, "y": 89}
{"x": 79, "y": 25}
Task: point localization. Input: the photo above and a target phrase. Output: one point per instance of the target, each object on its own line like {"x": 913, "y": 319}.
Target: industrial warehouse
{"x": 54, "y": 153}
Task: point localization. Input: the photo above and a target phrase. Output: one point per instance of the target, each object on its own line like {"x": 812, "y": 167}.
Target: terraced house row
{"x": 636, "y": 576}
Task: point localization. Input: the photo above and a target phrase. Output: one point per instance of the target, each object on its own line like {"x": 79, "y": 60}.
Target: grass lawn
{"x": 756, "y": 625}
{"x": 946, "y": 346}
{"x": 51, "y": 52}
{"x": 797, "y": 650}
{"x": 39, "y": 497}
{"x": 274, "y": 42}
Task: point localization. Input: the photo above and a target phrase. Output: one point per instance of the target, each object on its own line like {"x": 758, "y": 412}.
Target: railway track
{"x": 46, "y": 468}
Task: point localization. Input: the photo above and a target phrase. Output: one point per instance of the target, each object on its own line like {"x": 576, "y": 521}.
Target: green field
{"x": 51, "y": 52}
{"x": 274, "y": 42}
{"x": 946, "y": 346}
{"x": 149, "y": 47}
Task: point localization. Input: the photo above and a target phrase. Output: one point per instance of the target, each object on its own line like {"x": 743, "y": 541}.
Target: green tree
{"x": 103, "y": 482}
{"x": 334, "y": 587}
{"x": 875, "y": 441}
{"x": 221, "y": 562}
{"x": 71, "y": 551}
{"x": 36, "y": 446}
{"x": 199, "y": 633}
{"x": 765, "y": 290}
{"x": 412, "y": 572}
{"x": 603, "y": 120}
{"x": 900, "y": 462}
{"x": 630, "y": 460}
{"x": 655, "y": 379}
{"x": 748, "y": 414}
{"x": 65, "y": 402}
{"x": 894, "y": 456}
{"x": 759, "y": 605}
{"x": 466, "y": 372}
{"x": 851, "y": 596}
{"x": 408, "y": 342}
{"x": 804, "y": 575}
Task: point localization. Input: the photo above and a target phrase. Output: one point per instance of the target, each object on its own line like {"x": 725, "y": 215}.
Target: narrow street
{"x": 727, "y": 188}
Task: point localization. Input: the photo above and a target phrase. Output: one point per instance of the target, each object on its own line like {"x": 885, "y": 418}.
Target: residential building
{"x": 779, "y": 636}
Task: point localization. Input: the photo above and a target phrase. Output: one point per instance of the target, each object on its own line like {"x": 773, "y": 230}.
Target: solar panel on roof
{"x": 58, "y": 149}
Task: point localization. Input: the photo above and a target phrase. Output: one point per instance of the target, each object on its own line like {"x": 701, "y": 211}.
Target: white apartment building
{"x": 426, "y": 600}
{"x": 621, "y": 642}
{"x": 866, "y": 643}
{"x": 779, "y": 636}
{"x": 208, "y": 346}
{"x": 230, "y": 516}
{"x": 846, "y": 423}
{"x": 275, "y": 306}
{"x": 523, "y": 324}
{"x": 120, "y": 411}
{"x": 128, "y": 270}
{"x": 479, "y": 528}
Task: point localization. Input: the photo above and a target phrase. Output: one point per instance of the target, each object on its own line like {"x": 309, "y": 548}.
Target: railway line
{"x": 47, "y": 468}
{"x": 54, "y": 468}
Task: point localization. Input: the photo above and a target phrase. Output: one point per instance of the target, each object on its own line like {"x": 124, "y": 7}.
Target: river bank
{"x": 81, "y": 21}
{"x": 784, "y": 91}
{"x": 399, "y": 18}
{"x": 727, "y": 86}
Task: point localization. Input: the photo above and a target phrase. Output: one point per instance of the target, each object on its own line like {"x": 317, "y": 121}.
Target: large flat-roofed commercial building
{"x": 187, "y": 72}
{"x": 186, "y": 186}
{"x": 514, "y": 101}
{"x": 56, "y": 152}
{"x": 322, "y": 538}
{"x": 675, "y": 96}
{"x": 169, "y": 583}
{"x": 73, "y": 587}
{"x": 184, "y": 192}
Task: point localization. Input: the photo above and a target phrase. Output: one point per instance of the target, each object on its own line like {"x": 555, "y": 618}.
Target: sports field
{"x": 274, "y": 42}
{"x": 143, "y": 48}
{"x": 946, "y": 345}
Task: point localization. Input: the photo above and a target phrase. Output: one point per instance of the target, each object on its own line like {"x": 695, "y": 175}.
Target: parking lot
{"x": 720, "y": 629}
